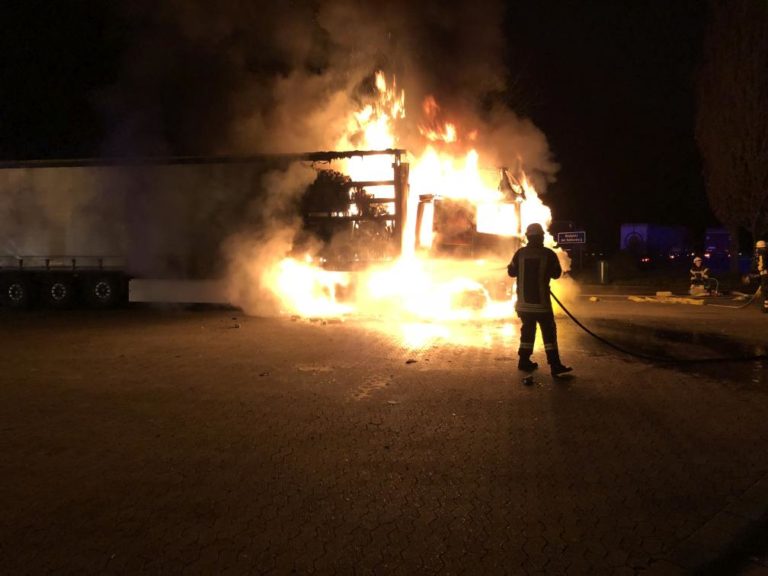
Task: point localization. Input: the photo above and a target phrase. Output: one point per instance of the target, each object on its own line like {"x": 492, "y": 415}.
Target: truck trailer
{"x": 101, "y": 232}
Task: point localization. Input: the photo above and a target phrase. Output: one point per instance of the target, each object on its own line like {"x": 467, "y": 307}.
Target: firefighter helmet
{"x": 760, "y": 244}
{"x": 534, "y": 230}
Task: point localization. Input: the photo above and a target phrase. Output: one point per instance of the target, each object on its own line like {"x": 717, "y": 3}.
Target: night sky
{"x": 611, "y": 84}
{"x": 613, "y": 88}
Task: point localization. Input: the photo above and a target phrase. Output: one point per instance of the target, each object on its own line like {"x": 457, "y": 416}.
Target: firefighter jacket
{"x": 534, "y": 266}
{"x": 699, "y": 275}
{"x": 760, "y": 262}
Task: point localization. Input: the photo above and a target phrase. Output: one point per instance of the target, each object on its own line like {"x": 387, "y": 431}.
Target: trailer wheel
{"x": 16, "y": 293}
{"x": 58, "y": 292}
{"x": 103, "y": 292}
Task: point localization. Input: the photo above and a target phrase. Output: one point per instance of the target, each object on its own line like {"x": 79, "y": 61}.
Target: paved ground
{"x": 167, "y": 442}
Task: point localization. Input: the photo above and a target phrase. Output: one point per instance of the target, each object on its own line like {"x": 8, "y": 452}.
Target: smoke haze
{"x": 245, "y": 77}
{"x": 254, "y": 254}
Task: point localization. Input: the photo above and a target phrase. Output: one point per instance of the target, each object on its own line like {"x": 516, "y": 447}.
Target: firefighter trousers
{"x": 546, "y": 321}
{"x": 764, "y": 291}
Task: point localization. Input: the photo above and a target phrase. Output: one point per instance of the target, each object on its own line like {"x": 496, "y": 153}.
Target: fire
{"x": 455, "y": 178}
{"x": 434, "y": 130}
{"x": 419, "y": 287}
{"x": 372, "y": 129}
{"x": 424, "y": 289}
{"x": 308, "y": 290}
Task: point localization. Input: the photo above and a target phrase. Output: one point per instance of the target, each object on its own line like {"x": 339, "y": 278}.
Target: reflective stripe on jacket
{"x": 534, "y": 266}
{"x": 759, "y": 263}
{"x": 699, "y": 273}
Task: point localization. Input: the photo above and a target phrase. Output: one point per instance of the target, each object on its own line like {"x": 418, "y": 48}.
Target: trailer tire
{"x": 16, "y": 293}
{"x": 58, "y": 292}
{"x": 103, "y": 292}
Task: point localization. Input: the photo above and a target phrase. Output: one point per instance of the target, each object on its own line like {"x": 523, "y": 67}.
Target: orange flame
{"x": 436, "y": 131}
{"x": 418, "y": 286}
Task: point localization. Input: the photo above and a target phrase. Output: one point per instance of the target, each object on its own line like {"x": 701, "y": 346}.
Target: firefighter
{"x": 760, "y": 268}
{"x": 700, "y": 280}
{"x": 533, "y": 266}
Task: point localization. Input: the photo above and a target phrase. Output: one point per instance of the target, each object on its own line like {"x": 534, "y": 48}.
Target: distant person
{"x": 700, "y": 280}
{"x": 534, "y": 266}
{"x": 760, "y": 269}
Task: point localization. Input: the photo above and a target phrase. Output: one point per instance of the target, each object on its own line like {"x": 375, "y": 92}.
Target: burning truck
{"x": 83, "y": 228}
{"x": 316, "y": 234}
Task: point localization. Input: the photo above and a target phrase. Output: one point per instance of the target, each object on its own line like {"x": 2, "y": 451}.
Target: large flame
{"x": 417, "y": 286}
{"x": 308, "y": 290}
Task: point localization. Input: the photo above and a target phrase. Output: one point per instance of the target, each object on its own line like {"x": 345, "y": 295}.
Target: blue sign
{"x": 579, "y": 237}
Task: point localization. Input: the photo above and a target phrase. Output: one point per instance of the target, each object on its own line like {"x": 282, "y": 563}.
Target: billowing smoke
{"x": 255, "y": 253}
{"x": 262, "y": 76}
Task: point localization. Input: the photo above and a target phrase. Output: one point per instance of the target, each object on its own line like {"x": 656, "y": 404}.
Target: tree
{"x": 732, "y": 116}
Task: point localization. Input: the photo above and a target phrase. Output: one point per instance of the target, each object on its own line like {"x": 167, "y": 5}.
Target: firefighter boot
{"x": 555, "y": 365}
{"x": 526, "y": 364}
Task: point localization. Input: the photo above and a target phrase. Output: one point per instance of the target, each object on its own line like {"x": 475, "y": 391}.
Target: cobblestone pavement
{"x": 175, "y": 442}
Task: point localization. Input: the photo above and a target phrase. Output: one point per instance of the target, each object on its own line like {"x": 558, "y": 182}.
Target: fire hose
{"x": 661, "y": 359}
{"x": 747, "y": 303}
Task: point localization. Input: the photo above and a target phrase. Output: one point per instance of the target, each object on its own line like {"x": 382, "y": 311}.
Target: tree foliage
{"x": 732, "y": 116}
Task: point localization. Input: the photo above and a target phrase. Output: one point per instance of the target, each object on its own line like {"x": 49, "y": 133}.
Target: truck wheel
{"x": 103, "y": 292}
{"x": 16, "y": 293}
{"x": 58, "y": 292}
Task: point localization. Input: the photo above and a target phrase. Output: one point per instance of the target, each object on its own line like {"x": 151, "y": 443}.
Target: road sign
{"x": 576, "y": 237}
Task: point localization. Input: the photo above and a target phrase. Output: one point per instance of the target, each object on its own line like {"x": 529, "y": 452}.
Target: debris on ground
{"x": 411, "y": 361}
{"x": 528, "y": 381}
{"x": 666, "y": 300}
{"x": 594, "y": 299}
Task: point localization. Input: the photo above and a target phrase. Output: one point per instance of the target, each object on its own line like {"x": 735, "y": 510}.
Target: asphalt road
{"x": 160, "y": 441}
